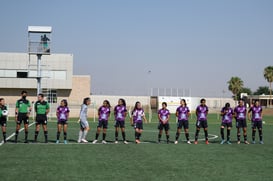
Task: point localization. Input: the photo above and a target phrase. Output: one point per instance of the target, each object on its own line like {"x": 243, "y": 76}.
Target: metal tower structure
{"x": 39, "y": 41}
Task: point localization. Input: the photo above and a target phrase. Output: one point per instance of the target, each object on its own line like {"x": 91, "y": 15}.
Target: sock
{"x": 167, "y": 137}
{"x": 80, "y": 135}
{"x": 196, "y": 134}
{"x": 36, "y": 135}
{"x": 116, "y": 135}
{"x": 103, "y": 136}
{"x": 139, "y": 135}
{"x": 159, "y": 137}
{"x": 4, "y": 136}
{"x": 26, "y": 135}
{"x": 253, "y": 135}
{"x": 85, "y": 134}
{"x": 58, "y": 135}
{"x": 206, "y": 135}
{"x": 187, "y": 136}
{"x": 97, "y": 135}
{"x": 222, "y": 133}
{"x": 245, "y": 137}
{"x": 16, "y": 135}
{"x": 177, "y": 136}
{"x": 136, "y": 135}
{"x": 65, "y": 135}
{"x": 123, "y": 136}
{"x": 228, "y": 134}
{"x": 261, "y": 134}
{"x": 238, "y": 136}
{"x": 45, "y": 133}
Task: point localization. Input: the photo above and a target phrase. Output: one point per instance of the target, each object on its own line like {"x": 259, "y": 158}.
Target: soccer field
{"x": 145, "y": 161}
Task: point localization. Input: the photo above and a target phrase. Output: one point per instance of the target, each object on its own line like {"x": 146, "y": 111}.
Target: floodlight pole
{"x": 39, "y": 76}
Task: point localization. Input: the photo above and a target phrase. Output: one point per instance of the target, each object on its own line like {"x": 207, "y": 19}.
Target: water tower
{"x": 39, "y": 43}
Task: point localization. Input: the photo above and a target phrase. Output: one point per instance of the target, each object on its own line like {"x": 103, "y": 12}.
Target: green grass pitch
{"x": 146, "y": 161}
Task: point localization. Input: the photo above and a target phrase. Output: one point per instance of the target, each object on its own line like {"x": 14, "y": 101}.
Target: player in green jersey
{"x": 41, "y": 109}
{"x": 22, "y": 111}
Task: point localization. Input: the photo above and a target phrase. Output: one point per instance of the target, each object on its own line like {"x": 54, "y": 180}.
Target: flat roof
{"x": 39, "y": 29}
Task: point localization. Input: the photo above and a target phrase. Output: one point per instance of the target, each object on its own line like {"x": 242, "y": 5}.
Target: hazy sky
{"x": 129, "y": 46}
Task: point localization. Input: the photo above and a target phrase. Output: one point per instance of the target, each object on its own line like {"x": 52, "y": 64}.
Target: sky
{"x": 131, "y": 46}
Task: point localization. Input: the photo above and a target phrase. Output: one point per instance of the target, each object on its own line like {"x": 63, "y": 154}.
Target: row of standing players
{"x": 23, "y": 109}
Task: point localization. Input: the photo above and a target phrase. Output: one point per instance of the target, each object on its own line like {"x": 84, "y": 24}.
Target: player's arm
{"x": 176, "y": 113}
{"x": 132, "y": 119}
{"x": 47, "y": 109}
{"x": 159, "y": 118}
{"x": 144, "y": 118}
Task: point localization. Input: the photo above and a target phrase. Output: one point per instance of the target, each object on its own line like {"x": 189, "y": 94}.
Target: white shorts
{"x": 84, "y": 124}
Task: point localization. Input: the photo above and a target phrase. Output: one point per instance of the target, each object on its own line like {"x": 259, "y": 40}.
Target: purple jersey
{"x": 62, "y": 113}
{"x": 120, "y": 112}
{"x": 163, "y": 114}
{"x": 104, "y": 113}
{"x": 240, "y": 112}
{"x": 201, "y": 112}
{"x": 256, "y": 113}
{"x": 183, "y": 113}
{"x": 138, "y": 115}
{"x": 227, "y": 115}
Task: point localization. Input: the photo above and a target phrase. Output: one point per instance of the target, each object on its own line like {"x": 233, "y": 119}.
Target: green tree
{"x": 235, "y": 86}
{"x": 262, "y": 90}
{"x": 268, "y": 75}
{"x": 244, "y": 90}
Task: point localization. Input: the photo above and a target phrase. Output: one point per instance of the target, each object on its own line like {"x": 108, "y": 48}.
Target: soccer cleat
{"x": 195, "y": 142}
{"x": 104, "y": 142}
{"x": 238, "y": 142}
{"x": 222, "y": 142}
{"x": 253, "y": 142}
{"x": 137, "y": 141}
{"x": 125, "y": 142}
{"x": 261, "y": 142}
{"x": 246, "y": 142}
{"x": 207, "y": 142}
{"x": 95, "y": 141}
{"x": 79, "y": 141}
{"x": 116, "y": 142}
{"x": 84, "y": 141}
{"x": 176, "y": 142}
{"x": 46, "y": 141}
{"x": 189, "y": 142}
{"x": 65, "y": 142}
{"x": 26, "y": 141}
{"x": 228, "y": 142}
{"x": 57, "y": 141}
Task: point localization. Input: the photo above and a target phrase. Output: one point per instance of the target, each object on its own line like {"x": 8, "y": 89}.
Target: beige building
{"x": 18, "y": 71}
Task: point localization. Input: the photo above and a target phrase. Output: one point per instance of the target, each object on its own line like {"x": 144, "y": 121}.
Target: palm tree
{"x": 235, "y": 86}
{"x": 268, "y": 75}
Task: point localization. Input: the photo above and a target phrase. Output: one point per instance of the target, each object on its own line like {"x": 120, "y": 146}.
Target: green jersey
{"x": 41, "y": 107}
{"x": 23, "y": 105}
{"x": 2, "y": 108}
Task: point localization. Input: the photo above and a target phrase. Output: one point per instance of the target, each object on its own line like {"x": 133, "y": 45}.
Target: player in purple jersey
{"x": 163, "y": 117}
{"x": 227, "y": 116}
{"x": 120, "y": 113}
{"x": 240, "y": 116}
{"x": 137, "y": 118}
{"x": 201, "y": 113}
{"x": 182, "y": 114}
{"x": 62, "y": 114}
{"x": 256, "y": 118}
{"x": 103, "y": 113}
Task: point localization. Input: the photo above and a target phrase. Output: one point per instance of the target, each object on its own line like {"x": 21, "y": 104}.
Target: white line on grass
{"x": 14, "y": 133}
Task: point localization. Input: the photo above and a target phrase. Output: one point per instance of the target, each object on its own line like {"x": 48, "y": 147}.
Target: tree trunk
{"x": 270, "y": 94}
